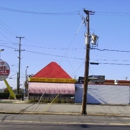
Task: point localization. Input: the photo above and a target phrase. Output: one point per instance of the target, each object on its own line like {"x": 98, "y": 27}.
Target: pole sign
{"x": 4, "y": 70}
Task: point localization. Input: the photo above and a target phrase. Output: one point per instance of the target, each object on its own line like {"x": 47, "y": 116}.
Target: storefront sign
{"x": 52, "y": 80}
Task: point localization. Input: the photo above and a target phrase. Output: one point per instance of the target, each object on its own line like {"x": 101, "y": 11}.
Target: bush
{"x": 63, "y": 101}
{"x": 70, "y": 101}
{"x": 19, "y": 96}
{"x": 46, "y": 101}
{"x": 57, "y": 101}
{"x": 4, "y": 95}
{"x": 10, "y": 97}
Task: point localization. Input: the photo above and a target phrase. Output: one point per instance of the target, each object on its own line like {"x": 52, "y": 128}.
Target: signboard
{"x": 4, "y": 70}
{"x": 51, "y": 80}
{"x": 93, "y": 79}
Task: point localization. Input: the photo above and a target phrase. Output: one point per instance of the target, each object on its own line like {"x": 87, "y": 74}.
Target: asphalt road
{"x": 23, "y": 126}
{"x": 64, "y": 119}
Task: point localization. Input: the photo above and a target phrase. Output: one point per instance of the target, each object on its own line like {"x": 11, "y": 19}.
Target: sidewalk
{"x": 23, "y": 107}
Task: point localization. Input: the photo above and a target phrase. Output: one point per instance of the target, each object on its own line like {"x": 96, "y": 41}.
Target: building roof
{"x": 52, "y": 70}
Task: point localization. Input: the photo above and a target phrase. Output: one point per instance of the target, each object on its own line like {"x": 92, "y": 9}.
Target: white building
{"x": 103, "y": 94}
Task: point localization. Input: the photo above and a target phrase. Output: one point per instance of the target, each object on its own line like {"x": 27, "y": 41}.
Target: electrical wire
{"x": 76, "y": 58}
{"x": 109, "y": 50}
{"x": 78, "y": 68}
{"x": 115, "y": 64}
{"x": 64, "y": 13}
{"x": 38, "y": 13}
{"x": 113, "y": 13}
{"x": 73, "y": 39}
{"x": 54, "y": 55}
{"x": 45, "y": 53}
{"x": 109, "y": 59}
{"x": 8, "y": 47}
{"x": 43, "y": 47}
{"x": 125, "y": 60}
{"x": 61, "y": 48}
{"x": 5, "y": 37}
{"x": 7, "y": 29}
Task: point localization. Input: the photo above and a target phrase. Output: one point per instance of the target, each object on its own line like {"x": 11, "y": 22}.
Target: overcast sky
{"x": 54, "y": 31}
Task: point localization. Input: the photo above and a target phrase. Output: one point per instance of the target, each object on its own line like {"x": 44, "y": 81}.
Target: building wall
{"x": 104, "y": 94}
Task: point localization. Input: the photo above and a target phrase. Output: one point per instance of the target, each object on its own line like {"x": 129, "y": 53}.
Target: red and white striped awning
{"x": 51, "y": 88}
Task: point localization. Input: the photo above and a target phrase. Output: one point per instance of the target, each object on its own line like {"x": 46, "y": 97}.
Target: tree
{"x": 6, "y": 90}
{"x": 20, "y": 91}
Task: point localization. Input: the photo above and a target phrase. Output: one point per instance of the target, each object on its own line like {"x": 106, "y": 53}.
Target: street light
{"x": 26, "y": 73}
{"x": 0, "y": 52}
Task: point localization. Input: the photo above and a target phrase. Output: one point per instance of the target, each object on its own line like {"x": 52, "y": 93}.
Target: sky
{"x": 53, "y": 31}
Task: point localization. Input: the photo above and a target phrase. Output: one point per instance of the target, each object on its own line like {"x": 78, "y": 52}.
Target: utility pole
{"x": 86, "y": 73}
{"x": 19, "y": 57}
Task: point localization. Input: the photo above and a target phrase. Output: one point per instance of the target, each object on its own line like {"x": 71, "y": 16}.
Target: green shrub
{"x": 70, "y": 101}
{"x": 19, "y": 96}
{"x": 4, "y": 95}
{"x": 46, "y": 101}
{"x": 57, "y": 101}
{"x": 10, "y": 97}
{"x": 63, "y": 101}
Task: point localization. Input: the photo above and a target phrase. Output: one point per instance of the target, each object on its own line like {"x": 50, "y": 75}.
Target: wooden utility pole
{"x": 18, "y": 74}
{"x": 86, "y": 73}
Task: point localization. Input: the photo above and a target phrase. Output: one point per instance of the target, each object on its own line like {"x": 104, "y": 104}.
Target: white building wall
{"x": 104, "y": 94}
{"x": 129, "y": 94}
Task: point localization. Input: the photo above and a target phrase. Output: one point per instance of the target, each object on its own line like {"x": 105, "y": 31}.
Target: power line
{"x": 44, "y": 47}
{"x": 64, "y": 13}
{"x": 73, "y": 39}
{"x": 45, "y": 53}
{"x": 5, "y": 37}
{"x": 125, "y": 60}
{"x": 114, "y": 64}
{"x": 61, "y": 48}
{"x": 75, "y": 48}
{"x": 76, "y": 58}
{"x": 39, "y": 13}
{"x": 8, "y": 47}
{"x": 113, "y": 13}
{"x": 7, "y": 29}
{"x": 78, "y": 68}
{"x": 110, "y": 60}
{"x": 109, "y": 50}
{"x": 54, "y": 48}
{"x": 54, "y": 55}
